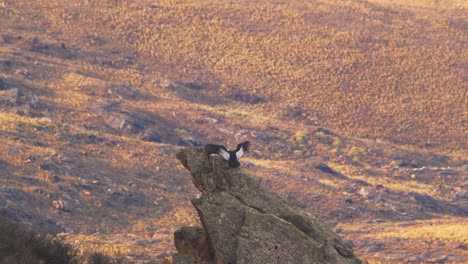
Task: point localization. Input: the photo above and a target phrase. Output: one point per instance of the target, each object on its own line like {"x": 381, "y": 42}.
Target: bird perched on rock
{"x": 232, "y": 156}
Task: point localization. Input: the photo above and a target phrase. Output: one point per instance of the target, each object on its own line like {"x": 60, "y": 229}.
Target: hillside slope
{"x": 356, "y": 111}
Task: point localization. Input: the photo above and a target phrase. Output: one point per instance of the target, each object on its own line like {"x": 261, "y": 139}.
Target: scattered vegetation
{"x": 19, "y": 244}
{"x": 357, "y": 154}
{"x": 300, "y": 137}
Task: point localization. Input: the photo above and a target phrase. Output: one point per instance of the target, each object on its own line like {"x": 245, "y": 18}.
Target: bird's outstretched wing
{"x": 242, "y": 148}
{"x": 216, "y": 149}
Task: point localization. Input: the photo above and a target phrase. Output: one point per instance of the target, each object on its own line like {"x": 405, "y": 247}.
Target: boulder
{"x": 244, "y": 223}
{"x": 192, "y": 241}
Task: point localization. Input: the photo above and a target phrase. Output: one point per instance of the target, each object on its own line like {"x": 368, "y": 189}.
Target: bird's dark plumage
{"x": 232, "y": 156}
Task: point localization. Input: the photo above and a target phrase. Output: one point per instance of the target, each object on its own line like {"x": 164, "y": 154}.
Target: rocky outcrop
{"x": 244, "y": 223}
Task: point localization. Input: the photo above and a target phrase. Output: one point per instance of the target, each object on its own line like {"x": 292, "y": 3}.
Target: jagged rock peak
{"x": 244, "y": 223}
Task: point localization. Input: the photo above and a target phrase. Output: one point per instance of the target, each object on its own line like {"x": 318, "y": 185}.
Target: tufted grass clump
{"x": 19, "y": 244}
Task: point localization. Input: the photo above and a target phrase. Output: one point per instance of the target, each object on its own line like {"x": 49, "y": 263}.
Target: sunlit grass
{"x": 331, "y": 183}
{"x": 392, "y": 184}
{"x": 13, "y": 122}
{"x": 456, "y": 232}
{"x": 446, "y": 229}
{"x": 444, "y": 4}
{"x": 75, "y": 80}
{"x": 280, "y": 165}
{"x": 274, "y": 50}
{"x": 98, "y": 243}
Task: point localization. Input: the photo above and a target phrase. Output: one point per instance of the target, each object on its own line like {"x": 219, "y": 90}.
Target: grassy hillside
{"x": 356, "y": 110}
{"x": 363, "y": 68}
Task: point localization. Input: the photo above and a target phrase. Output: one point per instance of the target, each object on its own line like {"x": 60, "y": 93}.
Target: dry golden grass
{"x": 389, "y": 181}
{"x": 454, "y": 231}
{"x": 111, "y": 249}
{"x": 444, "y": 4}
{"x": 384, "y": 77}
{"x": 445, "y": 229}
{"x": 366, "y": 69}
{"x": 331, "y": 183}
{"x": 280, "y": 165}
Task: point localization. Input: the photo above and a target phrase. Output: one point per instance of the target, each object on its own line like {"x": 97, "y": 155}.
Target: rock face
{"x": 244, "y": 223}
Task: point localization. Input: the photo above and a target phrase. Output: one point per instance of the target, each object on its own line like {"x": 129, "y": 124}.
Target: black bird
{"x": 232, "y": 156}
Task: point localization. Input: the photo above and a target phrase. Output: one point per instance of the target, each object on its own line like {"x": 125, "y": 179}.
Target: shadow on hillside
{"x": 79, "y": 186}
{"x": 196, "y": 92}
{"x": 98, "y": 52}
{"x": 428, "y": 204}
{"x": 128, "y": 93}
{"x": 55, "y": 50}
{"x": 399, "y": 205}
{"x": 148, "y": 125}
{"x": 358, "y": 198}
{"x": 414, "y": 207}
{"x": 58, "y": 56}
{"x": 22, "y": 245}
